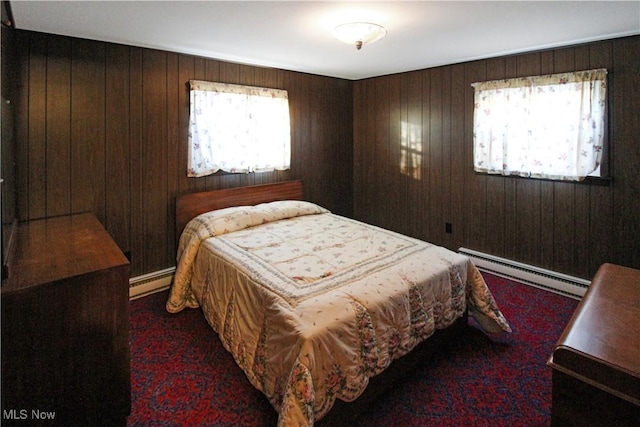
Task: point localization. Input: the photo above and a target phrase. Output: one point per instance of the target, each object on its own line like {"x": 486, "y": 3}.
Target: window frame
{"x": 605, "y": 175}
{"x": 202, "y": 145}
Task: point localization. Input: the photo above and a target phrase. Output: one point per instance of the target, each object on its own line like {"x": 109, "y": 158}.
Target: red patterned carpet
{"x": 182, "y": 376}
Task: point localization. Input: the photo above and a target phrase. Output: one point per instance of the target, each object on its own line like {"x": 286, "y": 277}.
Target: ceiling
{"x": 296, "y": 35}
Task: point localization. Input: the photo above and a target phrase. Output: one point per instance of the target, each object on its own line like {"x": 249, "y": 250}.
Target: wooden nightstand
{"x": 65, "y": 325}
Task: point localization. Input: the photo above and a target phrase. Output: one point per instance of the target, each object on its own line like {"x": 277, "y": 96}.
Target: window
{"x": 238, "y": 129}
{"x": 550, "y": 127}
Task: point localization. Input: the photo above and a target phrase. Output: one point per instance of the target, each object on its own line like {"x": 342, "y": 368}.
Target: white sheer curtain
{"x": 237, "y": 128}
{"x": 549, "y": 126}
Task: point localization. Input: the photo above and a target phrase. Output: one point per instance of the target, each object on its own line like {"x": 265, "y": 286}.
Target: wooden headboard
{"x": 191, "y": 205}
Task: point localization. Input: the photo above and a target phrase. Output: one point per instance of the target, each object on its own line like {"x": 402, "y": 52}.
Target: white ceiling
{"x": 296, "y": 35}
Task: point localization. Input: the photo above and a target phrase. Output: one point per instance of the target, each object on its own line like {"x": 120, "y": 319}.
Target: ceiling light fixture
{"x": 359, "y": 33}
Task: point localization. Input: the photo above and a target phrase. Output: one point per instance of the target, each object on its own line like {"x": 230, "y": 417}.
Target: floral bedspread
{"x": 312, "y": 304}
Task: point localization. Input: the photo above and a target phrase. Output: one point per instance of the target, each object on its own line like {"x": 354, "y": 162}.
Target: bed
{"x": 313, "y": 305}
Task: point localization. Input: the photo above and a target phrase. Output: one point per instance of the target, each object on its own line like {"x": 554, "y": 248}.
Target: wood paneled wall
{"x": 566, "y": 227}
{"x": 7, "y": 140}
{"x": 102, "y": 127}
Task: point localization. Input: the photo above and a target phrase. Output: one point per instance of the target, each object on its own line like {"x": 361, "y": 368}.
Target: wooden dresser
{"x": 65, "y": 326}
{"x": 596, "y": 363}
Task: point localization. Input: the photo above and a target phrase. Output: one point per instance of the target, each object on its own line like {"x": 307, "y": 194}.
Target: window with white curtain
{"x": 550, "y": 127}
{"x": 238, "y": 129}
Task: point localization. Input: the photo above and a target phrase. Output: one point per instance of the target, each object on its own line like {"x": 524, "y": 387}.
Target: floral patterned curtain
{"x": 549, "y": 126}
{"x": 237, "y": 129}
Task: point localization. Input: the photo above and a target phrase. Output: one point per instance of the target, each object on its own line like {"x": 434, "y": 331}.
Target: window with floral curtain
{"x": 237, "y": 129}
{"x": 550, "y": 127}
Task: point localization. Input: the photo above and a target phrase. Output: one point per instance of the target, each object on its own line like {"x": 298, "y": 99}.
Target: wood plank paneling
{"x": 9, "y": 64}
{"x": 154, "y": 158}
{"x": 445, "y": 239}
{"x": 457, "y": 112}
{"x": 88, "y": 127}
{"x": 339, "y": 104}
{"x": 413, "y": 155}
{"x": 102, "y": 127}
{"x": 36, "y": 128}
{"x": 58, "y": 146}
{"x": 569, "y": 227}
{"x": 626, "y": 150}
{"x": 424, "y": 196}
{"x": 394, "y": 198}
{"x": 173, "y": 141}
{"x": 136, "y": 201}
{"x": 186, "y": 71}
{"x": 203, "y": 183}
{"x": 359, "y": 136}
{"x": 438, "y": 198}
{"x": 117, "y": 173}
{"x": 22, "y": 41}
{"x": 381, "y": 142}
{"x": 475, "y": 214}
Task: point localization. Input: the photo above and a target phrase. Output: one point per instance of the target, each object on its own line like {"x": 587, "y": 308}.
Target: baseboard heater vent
{"x": 151, "y": 283}
{"x": 534, "y": 276}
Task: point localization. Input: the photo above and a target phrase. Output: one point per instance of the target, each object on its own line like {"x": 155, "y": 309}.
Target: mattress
{"x": 313, "y": 304}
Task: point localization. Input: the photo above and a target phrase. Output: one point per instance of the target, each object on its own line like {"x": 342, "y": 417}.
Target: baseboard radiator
{"x": 151, "y": 283}
{"x": 530, "y": 275}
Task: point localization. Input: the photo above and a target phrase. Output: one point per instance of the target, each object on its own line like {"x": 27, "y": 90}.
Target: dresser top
{"x": 57, "y": 248}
